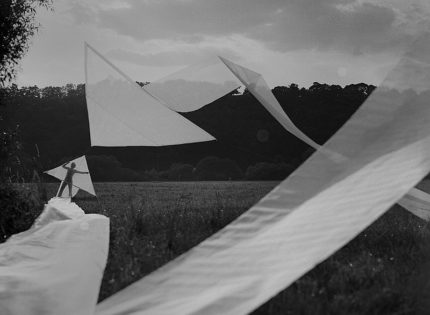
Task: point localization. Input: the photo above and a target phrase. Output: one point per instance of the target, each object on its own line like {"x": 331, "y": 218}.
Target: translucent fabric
{"x": 195, "y": 86}
{"x": 80, "y": 181}
{"x": 56, "y": 266}
{"x": 258, "y": 87}
{"x": 122, "y": 114}
{"x": 313, "y": 213}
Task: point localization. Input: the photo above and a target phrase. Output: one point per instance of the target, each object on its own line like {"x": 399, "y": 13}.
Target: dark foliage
{"x": 214, "y": 168}
{"x": 268, "y": 171}
{"x": 18, "y": 210}
{"x": 56, "y": 120}
{"x": 19, "y": 204}
{"x": 17, "y": 26}
{"x": 108, "y": 168}
{"x": 180, "y": 172}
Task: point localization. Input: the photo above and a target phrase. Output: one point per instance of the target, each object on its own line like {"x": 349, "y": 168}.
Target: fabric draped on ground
{"x": 57, "y": 265}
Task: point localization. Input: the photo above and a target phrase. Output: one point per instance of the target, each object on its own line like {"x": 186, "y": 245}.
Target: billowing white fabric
{"x": 309, "y": 216}
{"x": 258, "y": 87}
{"x": 122, "y": 114}
{"x": 82, "y": 181}
{"x": 417, "y": 202}
{"x": 65, "y": 207}
{"x": 194, "y": 86}
{"x": 56, "y": 266}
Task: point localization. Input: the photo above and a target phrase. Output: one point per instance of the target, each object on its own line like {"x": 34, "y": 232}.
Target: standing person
{"x": 68, "y": 180}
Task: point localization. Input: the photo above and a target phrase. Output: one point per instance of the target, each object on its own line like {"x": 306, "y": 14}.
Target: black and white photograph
{"x": 214, "y": 157}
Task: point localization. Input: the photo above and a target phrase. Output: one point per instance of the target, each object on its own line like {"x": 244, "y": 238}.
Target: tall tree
{"x": 17, "y": 26}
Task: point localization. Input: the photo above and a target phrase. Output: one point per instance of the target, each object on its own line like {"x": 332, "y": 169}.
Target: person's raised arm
{"x": 64, "y": 166}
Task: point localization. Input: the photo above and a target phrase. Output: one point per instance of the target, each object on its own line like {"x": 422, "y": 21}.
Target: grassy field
{"x": 385, "y": 270}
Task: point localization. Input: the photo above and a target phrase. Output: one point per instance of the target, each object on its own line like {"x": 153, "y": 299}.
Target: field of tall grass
{"x": 385, "y": 270}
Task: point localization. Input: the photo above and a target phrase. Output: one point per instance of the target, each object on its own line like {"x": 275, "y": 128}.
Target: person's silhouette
{"x": 68, "y": 180}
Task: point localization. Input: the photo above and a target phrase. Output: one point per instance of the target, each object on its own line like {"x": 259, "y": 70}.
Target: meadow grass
{"x": 384, "y": 270}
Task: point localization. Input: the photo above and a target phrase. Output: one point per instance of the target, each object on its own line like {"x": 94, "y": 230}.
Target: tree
{"x": 18, "y": 209}
{"x": 108, "y": 168}
{"x": 180, "y": 172}
{"x": 17, "y": 26}
{"x": 268, "y": 171}
{"x": 214, "y": 168}
{"x": 103, "y": 167}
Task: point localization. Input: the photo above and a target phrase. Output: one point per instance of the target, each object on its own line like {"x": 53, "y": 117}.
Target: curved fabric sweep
{"x": 82, "y": 181}
{"x": 194, "y": 86}
{"x": 122, "y": 114}
{"x": 56, "y": 266}
{"x": 309, "y": 216}
{"x": 258, "y": 87}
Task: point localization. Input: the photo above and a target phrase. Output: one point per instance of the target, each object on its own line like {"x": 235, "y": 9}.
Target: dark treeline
{"x": 53, "y": 124}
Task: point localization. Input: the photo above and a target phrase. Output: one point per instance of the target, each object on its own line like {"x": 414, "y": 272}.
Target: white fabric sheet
{"x": 309, "y": 216}
{"x": 82, "y": 181}
{"x": 194, "y": 86}
{"x": 57, "y": 265}
{"x": 121, "y": 113}
{"x": 258, "y": 87}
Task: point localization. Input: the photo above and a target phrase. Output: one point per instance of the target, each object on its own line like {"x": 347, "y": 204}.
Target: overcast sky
{"x": 288, "y": 41}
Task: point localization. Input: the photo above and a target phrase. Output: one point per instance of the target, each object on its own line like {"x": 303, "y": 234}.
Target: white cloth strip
{"x": 258, "y": 87}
